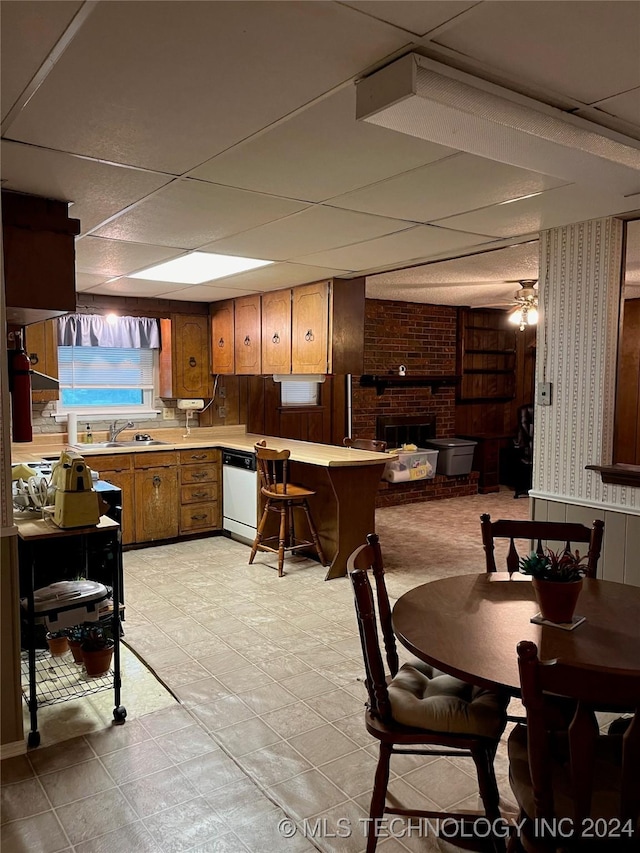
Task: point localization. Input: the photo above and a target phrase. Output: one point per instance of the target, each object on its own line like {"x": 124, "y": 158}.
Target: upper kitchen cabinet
{"x": 41, "y": 345}
{"x": 247, "y": 320}
{"x": 39, "y": 258}
{"x": 276, "y": 332}
{"x": 184, "y": 358}
{"x": 327, "y": 328}
{"x": 222, "y": 337}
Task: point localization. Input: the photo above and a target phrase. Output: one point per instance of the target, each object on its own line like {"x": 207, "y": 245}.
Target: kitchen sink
{"x": 131, "y": 443}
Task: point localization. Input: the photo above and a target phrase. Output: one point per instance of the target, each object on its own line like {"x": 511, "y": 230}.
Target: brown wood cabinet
{"x": 247, "y": 334}
{"x": 276, "y": 332}
{"x": 222, "y": 337}
{"x": 184, "y": 359}
{"x": 486, "y": 356}
{"x": 156, "y": 496}
{"x": 41, "y": 345}
{"x": 310, "y": 328}
{"x": 199, "y": 490}
{"x": 117, "y": 468}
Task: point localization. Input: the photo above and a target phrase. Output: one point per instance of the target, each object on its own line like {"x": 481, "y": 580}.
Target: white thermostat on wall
{"x": 191, "y": 405}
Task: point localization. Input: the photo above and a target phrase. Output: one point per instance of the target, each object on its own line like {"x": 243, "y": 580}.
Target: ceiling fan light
{"x": 516, "y": 317}
{"x": 532, "y": 316}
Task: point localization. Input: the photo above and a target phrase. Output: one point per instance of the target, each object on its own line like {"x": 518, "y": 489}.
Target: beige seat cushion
{"x": 425, "y": 698}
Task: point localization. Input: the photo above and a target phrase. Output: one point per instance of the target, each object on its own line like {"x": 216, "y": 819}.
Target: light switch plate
{"x": 544, "y": 393}
{"x": 222, "y": 411}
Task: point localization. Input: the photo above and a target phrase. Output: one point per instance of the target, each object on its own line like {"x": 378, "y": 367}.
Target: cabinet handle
{"x": 201, "y": 494}
{"x": 247, "y": 341}
{"x": 156, "y": 481}
{"x": 276, "y": 338}
{"x": 221, "y": 342}
{"x": 199, "y": 475}
{"x": 192, "y": 362}
{"x": 33, "y": 357}
{"x": 200, "y": 517}
{"x": 198, "y": 456}
{"x": 309, "y": 335}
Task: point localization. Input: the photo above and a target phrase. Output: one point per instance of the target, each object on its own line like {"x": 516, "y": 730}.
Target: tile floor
{"x": 269, "y": 721}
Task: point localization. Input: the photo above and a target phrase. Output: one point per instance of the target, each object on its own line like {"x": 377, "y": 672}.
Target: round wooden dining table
{"x": 469, "y": 626}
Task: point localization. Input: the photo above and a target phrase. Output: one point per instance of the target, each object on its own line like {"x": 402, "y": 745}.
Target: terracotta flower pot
{"x": 97, "y": 661}
{"x": 557, "y": 600}
{"x": 57, "y": 645}
{"x": 76, "y": 650}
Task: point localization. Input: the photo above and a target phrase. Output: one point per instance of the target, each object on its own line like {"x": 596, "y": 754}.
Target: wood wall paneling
{"x": 626, "y": 441}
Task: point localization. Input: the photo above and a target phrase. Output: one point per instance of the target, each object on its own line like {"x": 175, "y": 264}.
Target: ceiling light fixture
{"x": 526, "y": 314}
{"x": 424, "y": 98}
{"x": 198, "y": 267}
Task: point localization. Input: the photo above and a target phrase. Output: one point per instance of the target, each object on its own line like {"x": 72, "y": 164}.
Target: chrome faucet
{"x": 114, "y": 432}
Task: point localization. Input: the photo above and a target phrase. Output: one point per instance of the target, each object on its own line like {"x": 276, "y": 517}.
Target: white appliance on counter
{"x": 239, "y": 494}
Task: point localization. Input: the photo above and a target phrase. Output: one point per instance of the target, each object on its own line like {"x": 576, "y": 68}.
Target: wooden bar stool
{"x": 282, "y": 497}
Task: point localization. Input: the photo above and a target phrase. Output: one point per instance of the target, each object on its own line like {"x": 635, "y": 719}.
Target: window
{"x": 104, "y": 381}
{"x": 296, "y": 392}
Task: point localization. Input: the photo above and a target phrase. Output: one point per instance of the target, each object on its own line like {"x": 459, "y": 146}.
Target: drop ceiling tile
{"x": 584, "y": 49}
{"x": 416, "y": 18}
{"x": 458, "y": 184}
{"x": 135, "y": 287}
{"x": 202, "y": 293}
{"x": 29, "y": 32}
{"x": 86, "y": 281}
{"x": 115, "y": 257}
{"x": 97, "y": 190}
{"x": 312, "y": 230}
{"x": 190, "y": 213}
{"x": 168, "y": 85}
{"x": 488, "y": 295}
{"x": 420, "y": 242}
{"x": 279, "y": 275}
{"x": 551, "y": 209}
{"x": 319, "y": 153}
{"x": 625, "y": 106}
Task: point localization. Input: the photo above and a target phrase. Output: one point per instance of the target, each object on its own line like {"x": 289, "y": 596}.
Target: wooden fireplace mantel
{"x": 381, "y": 383}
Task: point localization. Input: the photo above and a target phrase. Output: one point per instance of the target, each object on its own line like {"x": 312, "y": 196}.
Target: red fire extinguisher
{"x": 20, "y": 388}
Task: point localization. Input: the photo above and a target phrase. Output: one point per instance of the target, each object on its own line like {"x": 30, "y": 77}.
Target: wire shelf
{"x": 59, "y": 678}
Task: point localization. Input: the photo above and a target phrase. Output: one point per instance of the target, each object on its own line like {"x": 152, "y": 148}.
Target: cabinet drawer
{"x": 199, "y": 454}
{"x": 113, "y": 462}
{"x": 193, "y": 494}
{"x": 155, "y": 459}
{"x": 198, "y": 474}
{"x": 199, "y": 517}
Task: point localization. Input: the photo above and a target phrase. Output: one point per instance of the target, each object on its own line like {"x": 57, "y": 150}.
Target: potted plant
{"x": 97, "y": 649}
{"x": 557, "y": 581}
{"x": 57, "y": 642}
{"x": 74, "y": 638}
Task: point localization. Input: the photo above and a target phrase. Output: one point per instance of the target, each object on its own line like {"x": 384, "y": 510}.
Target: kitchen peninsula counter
{"x": 345, "y": 480}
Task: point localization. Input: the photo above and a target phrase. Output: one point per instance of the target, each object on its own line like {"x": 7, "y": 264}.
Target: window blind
{"x": 105, "y": 367}
{"x": 297, "y": 393}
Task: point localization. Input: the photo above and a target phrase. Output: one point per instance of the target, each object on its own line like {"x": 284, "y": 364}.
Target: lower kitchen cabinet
{"x": 199, "y": 490}
{"x": 156, "y": 496}
{"x": 117, "y": 468}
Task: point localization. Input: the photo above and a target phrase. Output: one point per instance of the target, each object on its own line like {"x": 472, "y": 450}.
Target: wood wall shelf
{"x": 381, "y": 383}
{"x": 619, "y": 475}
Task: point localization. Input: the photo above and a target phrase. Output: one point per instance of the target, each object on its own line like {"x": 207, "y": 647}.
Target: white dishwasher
{"x": 239, "y": 494}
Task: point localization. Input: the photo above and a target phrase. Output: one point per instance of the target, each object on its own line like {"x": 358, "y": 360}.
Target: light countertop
{"x": 228, "y": 437}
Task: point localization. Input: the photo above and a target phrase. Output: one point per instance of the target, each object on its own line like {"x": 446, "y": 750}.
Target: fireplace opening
{"x": 405, "y": 429}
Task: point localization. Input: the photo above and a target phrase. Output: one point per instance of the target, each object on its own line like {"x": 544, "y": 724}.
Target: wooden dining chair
{"x": 587, "y": 780}
{"x": 540, "y": 533}
{"x": 417, "y": 710}
{"x": 365, "y": 444}
{"x": 282, "y": 497}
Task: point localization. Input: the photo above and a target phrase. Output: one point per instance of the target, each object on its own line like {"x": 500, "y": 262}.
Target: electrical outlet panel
{"x": 191, "y": 405}
{"x": 222, "y": 411}
{"x": 168, "y": 414}
{"x": 544, "y": 393}
{"x": 222, "y": 392}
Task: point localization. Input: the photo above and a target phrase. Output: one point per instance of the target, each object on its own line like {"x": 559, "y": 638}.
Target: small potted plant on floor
{"x": 97, "y": 649}
{"x": 557, "y": 581}
{"x": 74, "y": 638}
{"x": 57, "y": 642}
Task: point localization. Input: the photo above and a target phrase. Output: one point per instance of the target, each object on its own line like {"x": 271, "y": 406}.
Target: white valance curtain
{"x": 94, "y": 330}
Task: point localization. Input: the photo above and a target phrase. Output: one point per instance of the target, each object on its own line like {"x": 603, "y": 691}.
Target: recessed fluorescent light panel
{"x": 199, "y": 267}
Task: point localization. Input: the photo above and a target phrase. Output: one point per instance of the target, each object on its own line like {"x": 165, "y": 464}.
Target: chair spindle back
{"x": 272, "y": 467}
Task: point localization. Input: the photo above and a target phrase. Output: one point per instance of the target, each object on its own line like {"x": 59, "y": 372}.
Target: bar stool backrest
{"x": 272, "y": 467}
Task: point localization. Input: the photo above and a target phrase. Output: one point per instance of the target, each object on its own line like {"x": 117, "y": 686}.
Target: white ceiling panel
{"x": 587, "y": 49}
{"x": 455, "y": 185}
{"x": 416, "y": 18}
{"x": 190, "y": 213}
{"x": 279, "y": 275}
{"x": 625, "y": 106}
{"x": 552, "y": 208}
{"x": 87, "y": 281}
{"x": 28, "y": 32}
{"x": 404, "y": 247}
{"x": 168, "y": 85}
{"x": 487, "y": 295}
{"x": 313, "y": 230}
{"x": 202, "y": 293}
{"x": 135, "y": 287}
{"x": 114, "y": 257}
{"x": 97, "y": 190}
{"x": 319, "y": 153}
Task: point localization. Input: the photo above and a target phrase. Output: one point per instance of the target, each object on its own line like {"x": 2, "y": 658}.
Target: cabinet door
{"x": 222, "y": 337}
{"x": 310, "y": 325}
{"x": 124, "y": 481}
{"x": 41, "y": 345}
{"x": 156, "y": 496}
{"x": 247, "y": 335}
{"x": 190, "y": 338}
{"x": 276, "y": 332}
